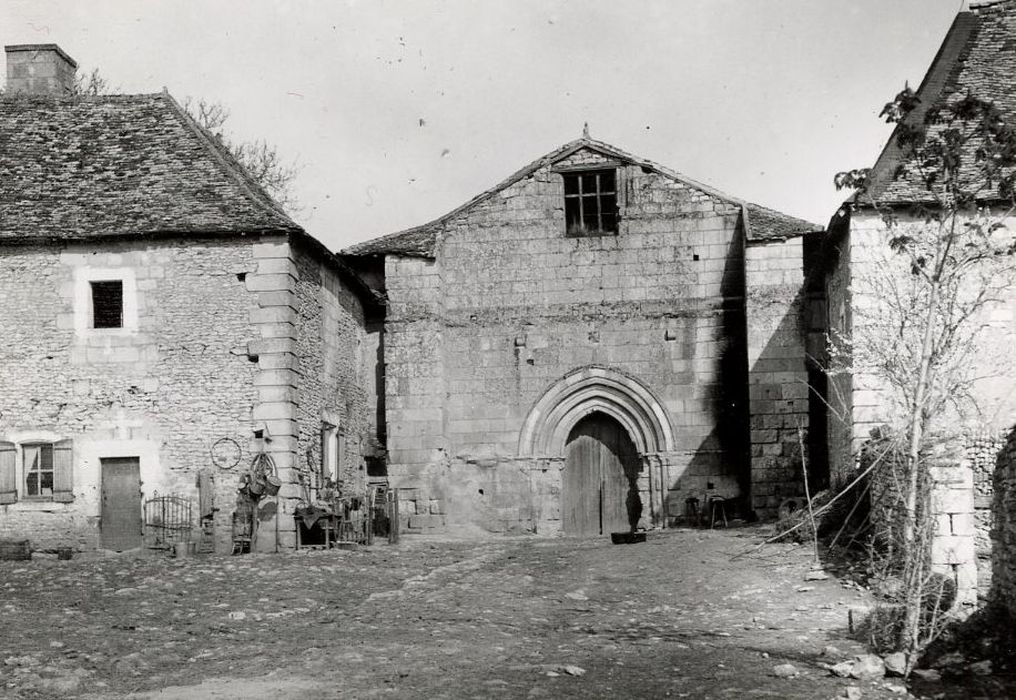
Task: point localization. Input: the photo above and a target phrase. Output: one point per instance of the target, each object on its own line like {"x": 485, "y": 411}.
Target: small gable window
{"x": 107, "y": 304}
{"x": 590, "y": 202}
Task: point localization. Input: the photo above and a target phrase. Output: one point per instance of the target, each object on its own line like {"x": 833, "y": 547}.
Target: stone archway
{"x": 624, "y": 400}
{"x": 587, "y": 390}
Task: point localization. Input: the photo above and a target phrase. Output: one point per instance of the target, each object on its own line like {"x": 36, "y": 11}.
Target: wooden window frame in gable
{"x": 596, "y": 184}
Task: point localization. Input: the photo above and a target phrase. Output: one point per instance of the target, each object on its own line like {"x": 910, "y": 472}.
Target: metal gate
{"x": 168, "y": 520}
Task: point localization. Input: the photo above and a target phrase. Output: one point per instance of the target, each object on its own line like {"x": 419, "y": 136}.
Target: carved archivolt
{"x": 587, "y": 390}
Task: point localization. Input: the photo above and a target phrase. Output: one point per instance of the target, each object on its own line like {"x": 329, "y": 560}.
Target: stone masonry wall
{"x": 333, "y": 384}
{"x": 1003, "y": 534}
{"x": 953, "y": 534}
{"x": 839, "y": 425}
{"x": 777, "y": 376}
{"x": 962, "y": 511}
{"x": 511, "y": 305}
{"x": 163, "y": 390}
{"x": 222, "y": 338}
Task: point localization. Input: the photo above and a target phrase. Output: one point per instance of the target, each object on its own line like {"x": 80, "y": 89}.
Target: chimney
{"x": 39, "y": 69}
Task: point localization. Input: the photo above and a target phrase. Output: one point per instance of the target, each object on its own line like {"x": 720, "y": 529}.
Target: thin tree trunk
{"x": 915, "y": 560}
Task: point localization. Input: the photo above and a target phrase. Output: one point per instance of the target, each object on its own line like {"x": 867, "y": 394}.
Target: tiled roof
{"x": 74, "y": 168}
{"x": 977, "y": 56}
{"x": 763, "y": 223}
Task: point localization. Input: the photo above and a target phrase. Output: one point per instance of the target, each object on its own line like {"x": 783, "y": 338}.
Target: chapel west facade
{"x": 594, "y": 333}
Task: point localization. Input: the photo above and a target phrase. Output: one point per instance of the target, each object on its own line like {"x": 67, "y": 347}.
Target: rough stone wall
{"x": 983, "y": 449}
{"x": 222, "y": 338}
{"x": 840, "y": 386}
{"x": 953, "y": 534}
{"x": 415, "y": 389}
{"x": 1003, "y": 533}
{"x": 333, "y": 385}
{"x": 163, "y": 391}
{"x": 511, "y": 305}
{"x": 777, "y": 375}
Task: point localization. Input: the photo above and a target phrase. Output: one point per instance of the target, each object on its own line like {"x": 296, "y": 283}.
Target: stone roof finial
{"x": 585, "y": 130}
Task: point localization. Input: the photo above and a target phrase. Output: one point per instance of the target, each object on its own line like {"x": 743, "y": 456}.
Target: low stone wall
{"x": 952, "y": 503}
{"x": 982, "y": 453}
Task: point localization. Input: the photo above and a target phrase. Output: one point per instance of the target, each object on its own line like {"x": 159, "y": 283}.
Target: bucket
{"x": 272, "y": 485}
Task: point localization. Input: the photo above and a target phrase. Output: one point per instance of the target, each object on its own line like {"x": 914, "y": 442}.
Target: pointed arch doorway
{"x": 601, "y": 468}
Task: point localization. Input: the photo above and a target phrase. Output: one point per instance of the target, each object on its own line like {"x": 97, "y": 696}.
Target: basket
{"x": 272, "y": 485}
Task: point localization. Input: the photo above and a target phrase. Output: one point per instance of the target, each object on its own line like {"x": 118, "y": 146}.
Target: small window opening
{"x": 38, "y": 470}
{"x": 107, "y": 304}
{"x": 590, "y": 203}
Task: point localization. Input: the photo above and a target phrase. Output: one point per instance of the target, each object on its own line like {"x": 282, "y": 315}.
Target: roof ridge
{"x": 942, "y": 68}
{"x": 424, "y": 247}
{"x": 230, "y": 166}
{"x": 986, "y": 3}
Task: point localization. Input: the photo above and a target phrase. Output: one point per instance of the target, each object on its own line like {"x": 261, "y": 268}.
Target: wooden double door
{"x": 600, "y": 472}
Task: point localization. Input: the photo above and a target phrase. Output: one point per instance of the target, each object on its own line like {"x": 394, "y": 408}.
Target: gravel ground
{"x": 689, "y": 613}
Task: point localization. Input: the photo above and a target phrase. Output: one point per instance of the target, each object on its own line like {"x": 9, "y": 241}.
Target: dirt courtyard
{"x": 676, "y": 616}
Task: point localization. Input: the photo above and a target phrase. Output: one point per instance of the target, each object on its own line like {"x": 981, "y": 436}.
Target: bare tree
{"x": 946, "y": 259}
{"x": 260, "y": 158}
{"x": 92, "y": 83}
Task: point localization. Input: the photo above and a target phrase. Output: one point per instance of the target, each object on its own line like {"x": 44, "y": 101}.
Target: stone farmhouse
{"x": 595, "y": 327}
{"x": 156, "y": 300}
{"x": 977, "y": 56}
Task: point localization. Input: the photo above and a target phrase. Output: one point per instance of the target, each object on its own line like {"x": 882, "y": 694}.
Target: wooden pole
{"x": 393, "y": 517}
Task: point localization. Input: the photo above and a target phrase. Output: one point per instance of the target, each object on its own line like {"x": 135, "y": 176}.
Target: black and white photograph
{"x": 507, "y": 349}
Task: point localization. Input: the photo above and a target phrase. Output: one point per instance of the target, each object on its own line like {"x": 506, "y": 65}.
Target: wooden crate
{"x": 15, "y": 550}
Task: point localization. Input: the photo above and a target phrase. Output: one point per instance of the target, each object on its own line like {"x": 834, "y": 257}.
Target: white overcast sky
{"x": 398, "y": 111}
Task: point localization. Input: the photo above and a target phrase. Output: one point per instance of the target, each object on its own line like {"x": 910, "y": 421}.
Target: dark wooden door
{"x": 600, "y": 464}
{"x": 121, "y": 503}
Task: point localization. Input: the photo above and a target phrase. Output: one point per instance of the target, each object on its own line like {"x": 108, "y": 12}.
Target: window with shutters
{"x": 8, "y": 473}
{"x": 36, "y": 471}
{"x": 590, "y": 202}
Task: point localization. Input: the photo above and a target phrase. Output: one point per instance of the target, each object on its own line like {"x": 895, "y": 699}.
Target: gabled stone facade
{"x": 219, "y": 319}
{"x": 504, "y": 333}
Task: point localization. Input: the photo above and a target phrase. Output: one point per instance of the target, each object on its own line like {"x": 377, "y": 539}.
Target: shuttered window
{"x": 63, "y": 471}
{"x": 47, "y": 471}
{"x": 8, "y": 473}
